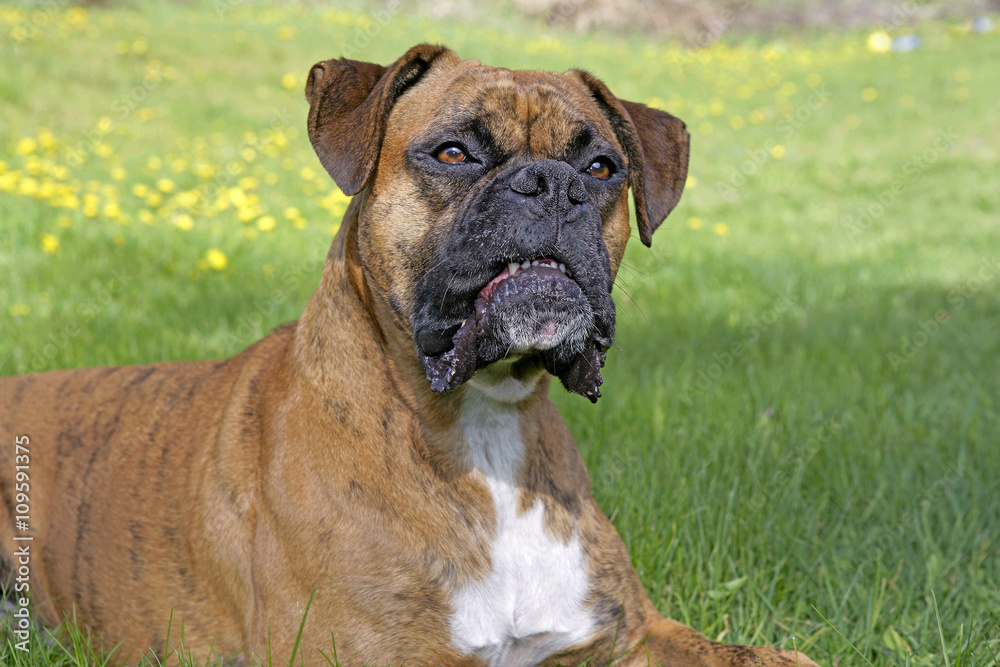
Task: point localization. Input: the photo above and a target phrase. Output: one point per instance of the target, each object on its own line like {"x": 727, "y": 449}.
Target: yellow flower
{"x": 154, "y": 163}
{"x": 691, "y": 182}
{"x": 694, "y": 222}
{"x": 64, "y": 221}
{"x": 292, "y": 213}
{"x": 266, "y": 223}
{"x": 267, "y": 269}
{"x": 139, "y": 47}
{"x": 777, "y": 151}
{"x": 299, "y": 223}
{"x": 249, "y": 183}
{"x": 879, "y": 42}
{"x": 111, "y": 210}
{"x": 813, "y": 80}
{"x": 26, "y": 146}
{"x": 183, "y": 221}
{"x": 869, "y": 94}
{"x": 121, "y": 47}
{"x": 757, "y": 117}
{"x": 705, "y": 127}
{"x": 118, "y": 239}
{"x": 46, "y": 139}
{"x": 307, "y": 174}
{"x": 165, "y": 185}
{"x": 154, "y": 199}
{"x": 19, "y": 309}
{"x": 217, "y": 259}
{"x": 146, "y": 217}
{"x": 178, "y": 165}
{"x": 145, "y": 114}
{"x": 736, "y": 122}
{"x": 103, "y": 150}
{"x": 285, "y": 32}
{"x": 720, "y": 228}
{"x": 289, "y": 81}
{"x": 250, "y": 233}
{"x": 187, "y": 199}
{"x": 962, "y": 93}
{"x": 248, "y": 154}
{"x": 50, "y": 244}
{"x": 140, "y": 190}
{"x": 118, "y": 174}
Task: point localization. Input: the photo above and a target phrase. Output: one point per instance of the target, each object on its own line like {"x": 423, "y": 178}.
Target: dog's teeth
{"x": 513, "y": 267}
{"x": 562, "y": 267}
{"x": 535, "y": 263}
{"x": 526, "y": 265}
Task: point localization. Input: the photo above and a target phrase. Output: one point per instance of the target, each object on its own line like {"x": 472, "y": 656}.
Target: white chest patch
{"x": 531, "y": 602}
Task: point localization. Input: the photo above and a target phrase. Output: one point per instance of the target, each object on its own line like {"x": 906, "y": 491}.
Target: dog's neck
{"x": 329, "y": 353}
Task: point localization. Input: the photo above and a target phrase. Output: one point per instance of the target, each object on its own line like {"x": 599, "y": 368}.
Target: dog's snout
{"x": 550, "y": 183}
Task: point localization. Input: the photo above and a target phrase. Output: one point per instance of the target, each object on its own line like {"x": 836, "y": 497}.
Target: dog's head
{"x": 494, "y": 210}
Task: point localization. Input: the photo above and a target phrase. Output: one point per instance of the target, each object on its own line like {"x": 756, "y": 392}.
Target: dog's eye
{"x": 600, "y": 168}
{"x": 451, "y": 154}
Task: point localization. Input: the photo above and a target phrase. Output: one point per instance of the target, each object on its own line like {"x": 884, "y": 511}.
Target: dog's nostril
{"x": 576, "y": 191}
{"x": 527, "y": 182}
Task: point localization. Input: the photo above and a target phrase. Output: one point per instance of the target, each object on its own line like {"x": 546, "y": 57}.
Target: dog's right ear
{"x": 349, "y": 104}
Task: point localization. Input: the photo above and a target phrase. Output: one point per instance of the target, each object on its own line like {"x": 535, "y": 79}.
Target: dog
{"x": 390, "y": 461}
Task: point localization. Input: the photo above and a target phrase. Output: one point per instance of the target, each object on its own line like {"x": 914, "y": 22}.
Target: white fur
{"x": 531, "y": 602}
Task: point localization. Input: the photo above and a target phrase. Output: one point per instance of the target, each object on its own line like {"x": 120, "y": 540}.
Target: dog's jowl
{"x": 394, "y": 453}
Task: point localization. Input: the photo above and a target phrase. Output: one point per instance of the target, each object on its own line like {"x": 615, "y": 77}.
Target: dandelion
{"x": 869, "y": 94}
{"x": 691, "y": 182}
{"x": 26, "y": 146}
{"x": 249, "y": 233}
{"x": 118, "y": 239}
{"x": 145, "y": 114}
{"x": 146, "y": 217}
{"x": 736, "y": 122}
{"x": 289, "y": 81}
{"x": 103, "y": 150}
{"x": 267, "y": 269}
{"x": 879, "y": 42}
{"x": 154, "y": 199}
{"x": 19, "y": 309}
{"x": 118, "y": 174}
{"x": 705, "y": 127}
{"x": 216, "y": 259}
{"x": 813, "y": 80}
{"x": 50, "y": 244}
{"x": 154, "y": 163}
{"x": 720, "y": 229}
{"x": 139, "y": 47}
{"x": 292, "y": 213}
{"x": 307, "y": 174}
{"x": 183, "y": 221}
{"x": 165, "y": 185}
{"x": 140, "y": 190}
{"x": 777, "y": 151}
{"x": 265, "y": 223}
{"x": 694, "y": 222}
{"x": 121, "y": 47}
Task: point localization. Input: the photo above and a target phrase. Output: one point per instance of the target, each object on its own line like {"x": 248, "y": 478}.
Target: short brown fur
{"x": 319, "y": 459}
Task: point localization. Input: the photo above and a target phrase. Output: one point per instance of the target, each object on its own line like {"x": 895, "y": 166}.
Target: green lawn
{"x": 800, "y": 434}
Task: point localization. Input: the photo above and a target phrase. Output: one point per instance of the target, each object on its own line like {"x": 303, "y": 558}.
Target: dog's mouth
{"x": 532, "y": 309}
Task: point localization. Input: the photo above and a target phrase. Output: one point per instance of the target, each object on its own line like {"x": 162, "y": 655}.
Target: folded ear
{"x": 656, "y": 145}
{"x": 349, "y": 104}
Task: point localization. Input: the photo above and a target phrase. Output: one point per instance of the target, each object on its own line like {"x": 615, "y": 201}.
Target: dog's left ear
{"x": 349, "y": 104}
{"x": 656, "y": 145}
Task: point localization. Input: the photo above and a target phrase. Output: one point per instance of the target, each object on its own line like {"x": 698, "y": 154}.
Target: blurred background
{"x": 800, "y": 434}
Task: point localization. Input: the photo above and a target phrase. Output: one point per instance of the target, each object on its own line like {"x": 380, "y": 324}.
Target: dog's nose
{"x": 551, "y": 183}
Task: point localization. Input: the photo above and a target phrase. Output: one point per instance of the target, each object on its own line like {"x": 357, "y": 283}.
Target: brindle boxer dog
{"x": 395, "y": 450}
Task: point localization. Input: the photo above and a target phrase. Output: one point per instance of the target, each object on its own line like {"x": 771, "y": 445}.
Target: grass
{"x": 799, "y": 436}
